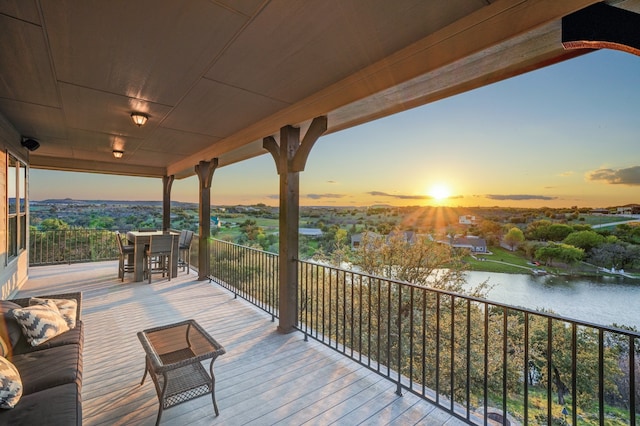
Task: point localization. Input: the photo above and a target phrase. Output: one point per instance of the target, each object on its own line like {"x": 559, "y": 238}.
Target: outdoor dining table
{"x": 140, "y": 239}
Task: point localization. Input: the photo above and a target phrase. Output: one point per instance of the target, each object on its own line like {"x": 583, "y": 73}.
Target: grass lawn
{"x": 501, "y": 260}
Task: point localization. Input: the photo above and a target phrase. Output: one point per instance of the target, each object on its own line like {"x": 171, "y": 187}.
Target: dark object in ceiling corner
{"x": 30, "y": 144}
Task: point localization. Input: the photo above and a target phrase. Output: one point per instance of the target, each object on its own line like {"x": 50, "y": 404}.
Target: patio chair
{"x": 184, "y": 247}
{"x": 158, "y": 255}
{"x": 125, "y": 261}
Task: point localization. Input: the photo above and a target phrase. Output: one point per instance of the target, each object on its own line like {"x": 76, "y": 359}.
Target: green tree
{"x": 53, "y": 225}
{"x": 562, "y": 252}
{"x": 102, "y": 222}
{"x": 558, "y": 232}
{"x": 538, "y": 230}
{"x": 490, "y": 230}
{"x": 585, "y": 240}
{"x": 514, "y": 237}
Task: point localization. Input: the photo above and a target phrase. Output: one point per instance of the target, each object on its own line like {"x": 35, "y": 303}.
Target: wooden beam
{"x": 167, "y": 181}
{"x": 269, "y": 143}
{"x": 100, "y": 167}
{"x": 204, "y": 170}
{"x": 317, "y": 128}
{"x": 602, "y": 26}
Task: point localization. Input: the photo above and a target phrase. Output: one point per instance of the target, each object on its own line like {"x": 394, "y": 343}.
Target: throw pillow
{"x": 4, "y": 348}
{"x": 10, "y": 330}
{"x": 10, "y": 384}
{"x": 67, "y": 308}
{"x": 40, "y": 322}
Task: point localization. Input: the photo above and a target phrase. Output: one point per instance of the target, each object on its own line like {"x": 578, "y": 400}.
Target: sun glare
{"x": 439, "y": 192}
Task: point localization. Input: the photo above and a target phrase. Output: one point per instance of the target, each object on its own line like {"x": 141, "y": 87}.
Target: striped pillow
{"x": 10, "y": 384}
{"x": 67, "y": 308}
{"x": 40, "y": 322}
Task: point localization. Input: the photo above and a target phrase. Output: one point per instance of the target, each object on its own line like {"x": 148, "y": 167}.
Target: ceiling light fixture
{"x": 139, "y": 118}
{"x": 117, "y": 153}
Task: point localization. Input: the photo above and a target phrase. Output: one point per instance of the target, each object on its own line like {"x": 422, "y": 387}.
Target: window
{"x": 16, "y": 206}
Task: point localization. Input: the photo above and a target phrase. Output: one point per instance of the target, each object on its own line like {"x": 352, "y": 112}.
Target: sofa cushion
{"x": 10, "y": 330}
{"x": 40, "y": 322}
{"x": 48, "y": 368}
{"x": 66, "y": 307}
{"x": 75, "y": 336}
{"x": 60, "y": 405}
{"x": 10, "y": 384}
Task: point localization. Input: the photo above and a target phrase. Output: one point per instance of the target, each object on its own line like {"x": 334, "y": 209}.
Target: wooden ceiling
{"x": 217, "y": 76}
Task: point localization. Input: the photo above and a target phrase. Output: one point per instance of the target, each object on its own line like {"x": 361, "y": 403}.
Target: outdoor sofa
{"x": 50, "y": 372}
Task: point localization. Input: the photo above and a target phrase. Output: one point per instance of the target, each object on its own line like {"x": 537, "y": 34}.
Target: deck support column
{"x": 167, "y": 181}
{"x": 204, "y": 170}
{"x": 290, "y": 158}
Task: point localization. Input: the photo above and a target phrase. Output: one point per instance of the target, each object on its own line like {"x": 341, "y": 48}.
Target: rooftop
{"x": 264, "y": 377}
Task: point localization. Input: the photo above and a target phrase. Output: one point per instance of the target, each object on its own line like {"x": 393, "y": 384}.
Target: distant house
{"x": 310, "y": 232}
{"x": 467, "y": 220}
{"x": 307, "y": 232}
{"x": 470, "y": 242}
{"x": 624, "y": 210}
{"x": 409, "y": 236}
{"x": 356, "y": 239}
{"x": 600, "y": 211}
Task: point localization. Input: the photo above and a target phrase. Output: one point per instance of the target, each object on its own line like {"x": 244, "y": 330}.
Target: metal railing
{"x": 479, "y": 360}
{"x": 71, "y": 246}
{"x": 249, "y": 273}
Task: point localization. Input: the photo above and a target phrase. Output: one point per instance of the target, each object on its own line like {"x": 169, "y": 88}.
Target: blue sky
{"x": 565, "y": 135}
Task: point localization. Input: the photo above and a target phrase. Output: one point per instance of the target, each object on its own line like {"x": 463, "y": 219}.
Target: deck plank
{"x": 265, "y": 378}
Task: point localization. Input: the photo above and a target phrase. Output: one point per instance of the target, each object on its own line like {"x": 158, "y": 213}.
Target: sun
{"x": 439, "y": 192}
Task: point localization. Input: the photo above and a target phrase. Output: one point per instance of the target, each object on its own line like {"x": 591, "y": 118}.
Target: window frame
{"x": 16, "y": 217}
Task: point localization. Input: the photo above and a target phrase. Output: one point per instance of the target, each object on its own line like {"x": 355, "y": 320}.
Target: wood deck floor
{"x": 265, "y": 378}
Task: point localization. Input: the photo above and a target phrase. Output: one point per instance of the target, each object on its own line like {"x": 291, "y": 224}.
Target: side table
{"x": 174, "y": 355}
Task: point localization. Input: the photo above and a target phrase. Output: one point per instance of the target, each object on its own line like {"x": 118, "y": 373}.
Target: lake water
{"x": 599, "y": 300}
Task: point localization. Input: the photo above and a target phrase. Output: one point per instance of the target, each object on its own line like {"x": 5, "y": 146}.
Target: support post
{"x": 290, "y": 158}
{"x": 204, "y": 170}
{"x": 167, "y": 181}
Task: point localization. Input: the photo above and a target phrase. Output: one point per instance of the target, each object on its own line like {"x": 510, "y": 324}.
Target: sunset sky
{"x": 562, "y": 136}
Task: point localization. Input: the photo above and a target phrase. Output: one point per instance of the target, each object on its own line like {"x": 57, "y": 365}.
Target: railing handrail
{"x": 552, "y": 316}
{"x": 72, "y": 245}
{"x": 334, "y": 309}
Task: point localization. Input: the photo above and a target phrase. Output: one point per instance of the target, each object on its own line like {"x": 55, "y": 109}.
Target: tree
{"x": 53, "y": 225}
{"x": 563, "y": 252}
{"x": 423, "y": 261}
{"x": 585, "y": 240}
{"x": 250, "y": 229}
{"x": 538, "y": 230}
{"x": 614, "y": 255}
{"x": 490, "y": 231}
{"x": 628, "y": 233}
{"x": 558, "y": 232}
{"x": 514, "y": 237}
{"x": 529, "y": 248}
